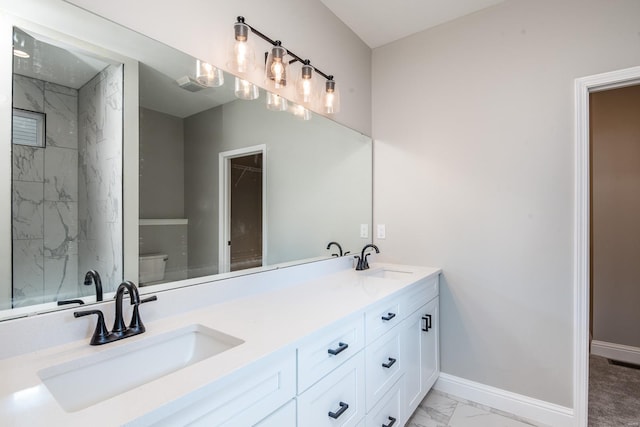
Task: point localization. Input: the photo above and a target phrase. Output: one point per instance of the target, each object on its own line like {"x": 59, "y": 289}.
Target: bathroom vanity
{"x": 310, "y": 345}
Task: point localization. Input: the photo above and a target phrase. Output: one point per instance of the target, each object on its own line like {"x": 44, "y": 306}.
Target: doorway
{"x": 242, "y": 209}
{"x": 582, "y": 236}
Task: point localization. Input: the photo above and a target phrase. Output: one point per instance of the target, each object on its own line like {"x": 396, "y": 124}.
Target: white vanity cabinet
{"x": 420, "y": 353}
{"x": 337, "y": 399}
{"x": 402, "y": 353}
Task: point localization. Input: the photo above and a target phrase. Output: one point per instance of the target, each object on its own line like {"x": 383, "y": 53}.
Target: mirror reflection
{"x": 66, "y": 171}
{"x": 225, "y": 184}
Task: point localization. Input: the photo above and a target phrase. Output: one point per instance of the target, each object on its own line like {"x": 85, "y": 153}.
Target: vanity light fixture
{"x": 301, "y": 113}
{"x": 244, "y": 89}
{"x": 305, "y": 87}
{"x": 208, "y": 75}
{"x": 275, "y": 102}
{"x": 276, "y": 73}
{"x": 20, "y": 53}
{"x": 241, "y": 57}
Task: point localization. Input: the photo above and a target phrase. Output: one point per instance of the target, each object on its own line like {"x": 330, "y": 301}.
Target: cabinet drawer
{"x": 381, "y": 318}
{"x": 419, "y": 294}
{"x": 337, "y": 399}
{"x": 384, "y": 366}
{"x": 321, "y": 353}
{"x": 388, "y": 412}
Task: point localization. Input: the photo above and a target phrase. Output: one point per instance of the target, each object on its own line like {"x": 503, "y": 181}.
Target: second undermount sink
{"x": 387, "y": 273}
{"x": 86, "y": 381}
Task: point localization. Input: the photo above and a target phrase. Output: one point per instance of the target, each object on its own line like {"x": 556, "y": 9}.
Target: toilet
{"x": 151, "y": 268}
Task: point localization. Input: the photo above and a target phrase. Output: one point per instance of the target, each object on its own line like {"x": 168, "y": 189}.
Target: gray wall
{"x": 316, "y": 170}
{"x": 474, "y": 173}
{"x": 162, "y": 189}
{"x": 615, "y": 145}
{"x": 161, "y": 165}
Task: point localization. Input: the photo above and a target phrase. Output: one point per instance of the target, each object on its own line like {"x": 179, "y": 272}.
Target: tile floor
{"x": 441, "y": 410}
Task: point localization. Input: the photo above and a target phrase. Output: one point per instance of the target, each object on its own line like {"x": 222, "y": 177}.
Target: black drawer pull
{"x": 393, "y": 421}
{"x": 389, "y": 316}
{"x": 427, "y": 322}
{"x": 390, "y": 363}
{"x": 343, "y": 407}
{"x": 341, "y": 347}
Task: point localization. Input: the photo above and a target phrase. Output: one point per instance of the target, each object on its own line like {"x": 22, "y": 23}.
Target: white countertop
{"x": 268, "y": 322}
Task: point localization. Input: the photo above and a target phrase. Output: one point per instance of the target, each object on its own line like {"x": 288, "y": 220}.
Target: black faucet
{"x": 339, "y": 248}
{"x": 92, "y": 275}
{"x": 338, "y": 245}
{"x": 119, "y": 328}
{"x": 363, "y": 264}
{"x": 102, "y": 334}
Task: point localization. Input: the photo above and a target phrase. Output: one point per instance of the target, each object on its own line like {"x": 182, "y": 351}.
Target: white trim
{"x": 583, "y": 86}
{"x": 522, "y": 406}
{"x": 224, "y": 217}
{"x": 621, "y": 352}
{"x": 167, "y": 221}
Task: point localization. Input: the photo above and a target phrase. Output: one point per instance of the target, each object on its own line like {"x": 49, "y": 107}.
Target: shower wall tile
{"x": 62, "y": 277}
{"x": 61, "y": 174}
{"x": 28, "y": 210}
{"x": 28, "y": 93}
{"x": 28, "y": 163}
{"x": 28, "y": 272}
{"x": 62, "y": 119}
{"x": 100, "y": 179}
{"x": 61, "y": 229}
{"x": 45, "y": 266}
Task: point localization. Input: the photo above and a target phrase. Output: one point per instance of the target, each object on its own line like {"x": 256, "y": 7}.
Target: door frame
{"x": 581, "y": 265}
{"x": 224, "y": 202}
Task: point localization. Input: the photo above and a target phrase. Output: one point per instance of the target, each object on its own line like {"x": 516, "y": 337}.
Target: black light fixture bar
{"x": 277, "y": 43}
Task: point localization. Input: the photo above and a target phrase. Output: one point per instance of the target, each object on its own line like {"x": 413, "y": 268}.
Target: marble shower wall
{"x": 45, "y": 197}
{"x": 100, "y": 178}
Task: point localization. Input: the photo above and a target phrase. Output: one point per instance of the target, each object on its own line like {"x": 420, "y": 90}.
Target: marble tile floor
{"x": 442, "y": 410}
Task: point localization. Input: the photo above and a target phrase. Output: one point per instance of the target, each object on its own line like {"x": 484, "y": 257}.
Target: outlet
{"x": 364, "y": 231}
{"x": 381, "y": 231}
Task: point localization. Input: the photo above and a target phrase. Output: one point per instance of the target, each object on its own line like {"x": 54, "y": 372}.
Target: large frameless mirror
{"x": 225, "y": 186}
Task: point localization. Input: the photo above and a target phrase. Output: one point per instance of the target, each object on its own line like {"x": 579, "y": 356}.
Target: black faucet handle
{"x": 365, "y": 262}
{"x": 136, "y": 326}
{"x": 71, "y": 301}
{"x": 101, "y": 334}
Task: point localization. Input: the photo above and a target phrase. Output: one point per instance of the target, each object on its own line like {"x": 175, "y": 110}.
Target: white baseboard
{"x": 525, "y": 407}
{"x": 623, "y": 353}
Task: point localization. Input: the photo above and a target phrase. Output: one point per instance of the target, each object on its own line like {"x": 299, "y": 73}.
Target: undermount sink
{"x": 86, "y": 381}
{"x": 386, "y": 273}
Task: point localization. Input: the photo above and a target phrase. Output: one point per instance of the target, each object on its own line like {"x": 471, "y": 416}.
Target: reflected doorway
{"x": 242, "y": 209}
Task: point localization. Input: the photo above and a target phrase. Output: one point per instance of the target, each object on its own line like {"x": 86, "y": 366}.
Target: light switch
{"x": 364, "y": 231}
{"x": 381, "y": 231}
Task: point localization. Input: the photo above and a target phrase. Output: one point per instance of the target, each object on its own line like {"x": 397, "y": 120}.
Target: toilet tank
{"x": 151, "y": 268}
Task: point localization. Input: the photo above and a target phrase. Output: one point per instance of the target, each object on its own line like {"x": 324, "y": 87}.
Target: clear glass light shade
{"x": 331, "y": 98}
{"x": 208, "y": 75}
{"x": 306, "y": 90}
{"x": 276, "y": 68}
{"x": 241, "y": 55}
{"x": 301, "y": 113}
{"x": 245, "y": 90}
{"x": 275, "y": 102}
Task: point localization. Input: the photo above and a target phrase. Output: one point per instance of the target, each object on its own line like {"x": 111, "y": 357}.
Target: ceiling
{"x": 379, "y": 22}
